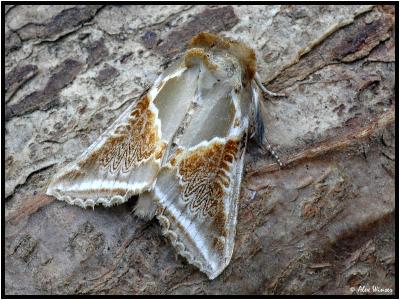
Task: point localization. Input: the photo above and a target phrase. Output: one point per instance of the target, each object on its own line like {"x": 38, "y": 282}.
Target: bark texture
{"x": 323, "y": 224}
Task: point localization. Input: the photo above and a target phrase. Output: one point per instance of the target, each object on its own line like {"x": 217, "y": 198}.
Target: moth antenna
{"x": 259, "y": 83}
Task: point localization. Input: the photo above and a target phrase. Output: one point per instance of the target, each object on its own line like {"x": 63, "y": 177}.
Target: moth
{"x": 180, "y": 147}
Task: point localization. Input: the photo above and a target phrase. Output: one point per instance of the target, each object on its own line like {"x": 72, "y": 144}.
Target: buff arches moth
{"x": 180, "y": 147}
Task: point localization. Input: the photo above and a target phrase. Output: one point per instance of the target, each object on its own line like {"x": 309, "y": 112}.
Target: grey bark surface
{"x": 322, "y": 224}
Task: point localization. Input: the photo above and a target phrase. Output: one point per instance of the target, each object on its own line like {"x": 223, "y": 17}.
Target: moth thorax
{"x": 224, "y": 67}
{"x": 229, "y": 68}
{"x": 245, "y": 55}
{"x": 197, "y": 56}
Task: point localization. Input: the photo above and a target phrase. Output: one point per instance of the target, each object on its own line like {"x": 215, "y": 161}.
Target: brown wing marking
{"x": 197, "y": 213}
{"x": 204, "y": 179}
{"x": 131, "y": 143}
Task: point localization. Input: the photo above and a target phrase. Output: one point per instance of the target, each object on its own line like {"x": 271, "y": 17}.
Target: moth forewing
{"x": 181, "y": 146}
{"x": 124, "y": 160}
{"x": 117, "y": 165}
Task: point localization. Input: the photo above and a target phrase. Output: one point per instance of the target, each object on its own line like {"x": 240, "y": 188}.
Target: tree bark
{"x": 322, "y": 224}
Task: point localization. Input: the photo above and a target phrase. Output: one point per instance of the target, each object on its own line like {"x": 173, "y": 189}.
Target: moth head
{"x": 214, "y": 44}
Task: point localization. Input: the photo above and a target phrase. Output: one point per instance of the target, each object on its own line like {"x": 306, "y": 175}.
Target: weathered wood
{"x": 322, "y": 224}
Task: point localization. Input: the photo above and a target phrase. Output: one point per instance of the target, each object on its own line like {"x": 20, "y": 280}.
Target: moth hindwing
{"x": 181, "y": 146}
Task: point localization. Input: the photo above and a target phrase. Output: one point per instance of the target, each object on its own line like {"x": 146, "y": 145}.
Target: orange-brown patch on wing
{"x": 95, "y": 156}
{"x": 173, "y": 161}
{"x": 118, "y": 191}
{"x": 71, "y": 175}
{"x": 218, "y": 244}
{"x": 231, "y": 147}
{"x": 219, "y": 221}
{"x": 131, "y": 143}
{"x": 174, "y": 157}
{"x": 160, "y": 153}
{"x": 200, "y": 159}
{"x": 204, "y": 178}
{"x": 228, "y": 157}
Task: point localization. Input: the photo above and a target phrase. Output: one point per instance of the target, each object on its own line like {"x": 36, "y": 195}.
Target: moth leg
{"x": 263, "y": 143}
{"x": 267, "y": 145}
{"x": 259, "y": 127}
{"x": 259, "y": 83}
